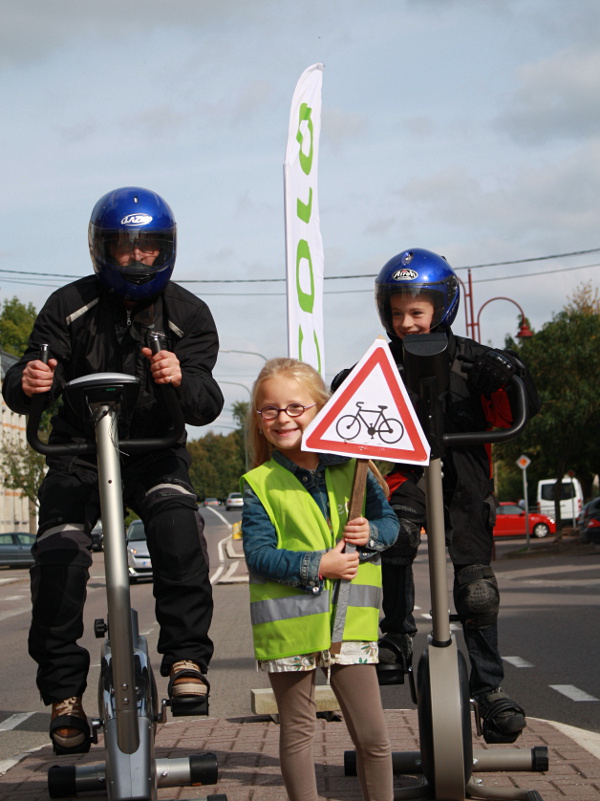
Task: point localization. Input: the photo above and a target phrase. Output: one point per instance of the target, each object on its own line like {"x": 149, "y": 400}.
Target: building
{"x": 16, "y": 512}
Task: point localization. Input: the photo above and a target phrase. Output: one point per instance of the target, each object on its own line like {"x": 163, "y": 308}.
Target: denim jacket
{"x": 301, "y": 568}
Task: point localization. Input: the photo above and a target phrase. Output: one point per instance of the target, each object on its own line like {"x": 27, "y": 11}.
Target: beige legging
{"x": 357, "y": 691}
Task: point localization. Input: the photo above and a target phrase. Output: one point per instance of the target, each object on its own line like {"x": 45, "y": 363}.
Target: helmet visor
{"x": 442, "y": 295}
{"x": 135, "y": 251}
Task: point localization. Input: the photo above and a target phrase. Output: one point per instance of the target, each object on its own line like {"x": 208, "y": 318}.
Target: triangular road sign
{"x": 371, "y": 415}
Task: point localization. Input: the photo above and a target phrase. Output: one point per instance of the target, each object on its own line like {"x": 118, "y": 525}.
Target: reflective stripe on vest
{"x": 287, "y": 621}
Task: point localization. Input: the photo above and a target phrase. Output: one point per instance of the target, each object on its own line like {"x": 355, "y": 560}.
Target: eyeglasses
{"x": 292, "y": 410}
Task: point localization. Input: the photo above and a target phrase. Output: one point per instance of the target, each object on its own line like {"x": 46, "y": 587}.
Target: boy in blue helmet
{"x": 103, "y": 323}
{"x": 417, "y": 292}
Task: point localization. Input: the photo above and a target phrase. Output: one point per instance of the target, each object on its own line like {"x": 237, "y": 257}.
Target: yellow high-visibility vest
{"x": 287, "y": 621}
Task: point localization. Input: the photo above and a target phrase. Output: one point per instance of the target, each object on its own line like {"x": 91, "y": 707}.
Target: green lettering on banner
{"x": 304, "y": 116}
{"x": 317, "y": 348}
{"x": 304, "y": 210}
{"x": 305, "y": 300}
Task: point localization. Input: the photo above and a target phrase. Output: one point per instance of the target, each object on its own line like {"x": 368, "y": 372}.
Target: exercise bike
{"x": 441, "y": 691}
{"x": 129, "y": 710}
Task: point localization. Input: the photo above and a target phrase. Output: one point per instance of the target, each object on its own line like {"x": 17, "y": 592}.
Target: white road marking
{"x": 219, "y": 515}
{"x": 221, "y": 548}
{"x": 7, "y": 764}
{"x": 14, "y": 612}
{"x": 230, "y": 578}
{"x": 14, "y": 720}
{"x": 572, "y": 692}
{"x": 517, "y": 661}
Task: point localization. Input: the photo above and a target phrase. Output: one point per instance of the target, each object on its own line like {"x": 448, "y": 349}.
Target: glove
{"x": 489, "y": 372}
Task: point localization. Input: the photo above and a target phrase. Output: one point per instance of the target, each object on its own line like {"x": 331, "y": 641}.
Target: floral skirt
{"x": 351, "y": 653}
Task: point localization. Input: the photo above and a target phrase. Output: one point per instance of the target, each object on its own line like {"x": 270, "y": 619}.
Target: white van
{"x": 571, "y": 498}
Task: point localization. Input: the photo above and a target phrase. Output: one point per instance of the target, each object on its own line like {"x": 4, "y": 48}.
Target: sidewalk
{"x": 246, "y": 749}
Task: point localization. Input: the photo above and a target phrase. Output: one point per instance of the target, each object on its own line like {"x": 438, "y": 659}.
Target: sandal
{"x": 69, "y": 728}
{"x": 188, "y": 689}
{"x": 186, "y": 679}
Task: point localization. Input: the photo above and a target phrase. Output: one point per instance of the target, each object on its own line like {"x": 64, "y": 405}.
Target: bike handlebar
{"x": 112, "y": 381}
{"x": 427, "y": 374}
{"x": 498, "y": 434}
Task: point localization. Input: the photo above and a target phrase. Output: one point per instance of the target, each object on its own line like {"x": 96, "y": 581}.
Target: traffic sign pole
{"x": 523, "y": 462}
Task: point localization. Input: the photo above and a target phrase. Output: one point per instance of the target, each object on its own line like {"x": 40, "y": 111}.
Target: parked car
{"x": 235, "y": 500}
{"x": 510, "y": 522}
{"x": 211, "y": 502}
{"x": 97, "y": 537}
{"x": 588, "y": 522}
{"x": 138, "y": 556}
{"x": 15, "y": 549}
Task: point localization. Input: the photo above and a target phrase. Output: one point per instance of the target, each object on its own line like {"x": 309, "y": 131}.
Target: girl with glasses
{"x": 295, "y": 527}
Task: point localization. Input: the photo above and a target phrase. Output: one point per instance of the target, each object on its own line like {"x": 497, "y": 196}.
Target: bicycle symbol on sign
{"x": 389, "y": 430}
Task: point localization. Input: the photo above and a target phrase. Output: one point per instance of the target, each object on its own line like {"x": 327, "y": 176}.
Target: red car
{"x": 510, "y": 522}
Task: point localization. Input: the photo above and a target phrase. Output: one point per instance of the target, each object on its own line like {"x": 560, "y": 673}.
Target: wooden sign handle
{"x": 356, "y": 503}
{"x": 358, "y": 488}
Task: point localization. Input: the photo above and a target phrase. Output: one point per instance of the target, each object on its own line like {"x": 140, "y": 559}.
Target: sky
{"x": 469, "y": 128}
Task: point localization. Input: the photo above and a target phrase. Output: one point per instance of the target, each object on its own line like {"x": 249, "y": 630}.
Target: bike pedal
{"x": 79, "y": 749}
{"x": 188, "y": 706}
{"x": 390, "y": 673}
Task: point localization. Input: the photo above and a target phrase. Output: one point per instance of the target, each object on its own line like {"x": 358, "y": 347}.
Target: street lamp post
{"x": 472, "y": 324}
{"x": 524, "y": 330}
{"x": 244, "y": 427}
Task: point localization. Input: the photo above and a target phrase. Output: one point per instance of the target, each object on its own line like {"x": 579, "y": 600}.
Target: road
{"x": 550, "y": 629}
{"x": 549, "y": 632}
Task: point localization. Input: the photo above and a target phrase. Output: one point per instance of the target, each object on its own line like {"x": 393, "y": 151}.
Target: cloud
{"x": 558, "y": 98}
{"x": 34, "y": 29}
{"x": 552, "y": 196}
{"x": 338, "y": 125}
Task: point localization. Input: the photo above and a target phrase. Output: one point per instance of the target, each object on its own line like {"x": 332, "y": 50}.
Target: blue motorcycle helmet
{"x": 132, "y": 237}
{"x": 418, "y": 272}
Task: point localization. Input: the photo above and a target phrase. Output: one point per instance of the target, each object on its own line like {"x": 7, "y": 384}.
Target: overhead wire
{"x": 32, "y": 277}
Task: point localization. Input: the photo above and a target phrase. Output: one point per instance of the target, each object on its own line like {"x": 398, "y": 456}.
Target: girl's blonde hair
{"x": 306, "y": 375}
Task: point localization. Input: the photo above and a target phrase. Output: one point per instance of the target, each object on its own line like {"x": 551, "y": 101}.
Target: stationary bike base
{"x": 66, "y": 781}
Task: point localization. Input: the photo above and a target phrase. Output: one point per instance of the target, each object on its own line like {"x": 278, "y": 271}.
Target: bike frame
{"x": 127, "y": 695}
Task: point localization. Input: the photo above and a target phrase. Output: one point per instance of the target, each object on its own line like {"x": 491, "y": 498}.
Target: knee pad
{"x": 169, "y": 494}
{"x": 66, "y": 544}
{"x": 476, "y": 596}
{"x": 175, "y": 532}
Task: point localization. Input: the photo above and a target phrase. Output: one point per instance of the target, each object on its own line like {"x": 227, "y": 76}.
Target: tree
{"x": 23, "y": 470}
{"x": 564, "y": 360}
{"x": 16, "y": 322}
{"x": 217, "y": 464}
{"x": 240, "y": 413}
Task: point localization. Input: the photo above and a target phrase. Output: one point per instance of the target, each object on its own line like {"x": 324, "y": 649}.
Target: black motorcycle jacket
{"x": 89, "y": 330}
